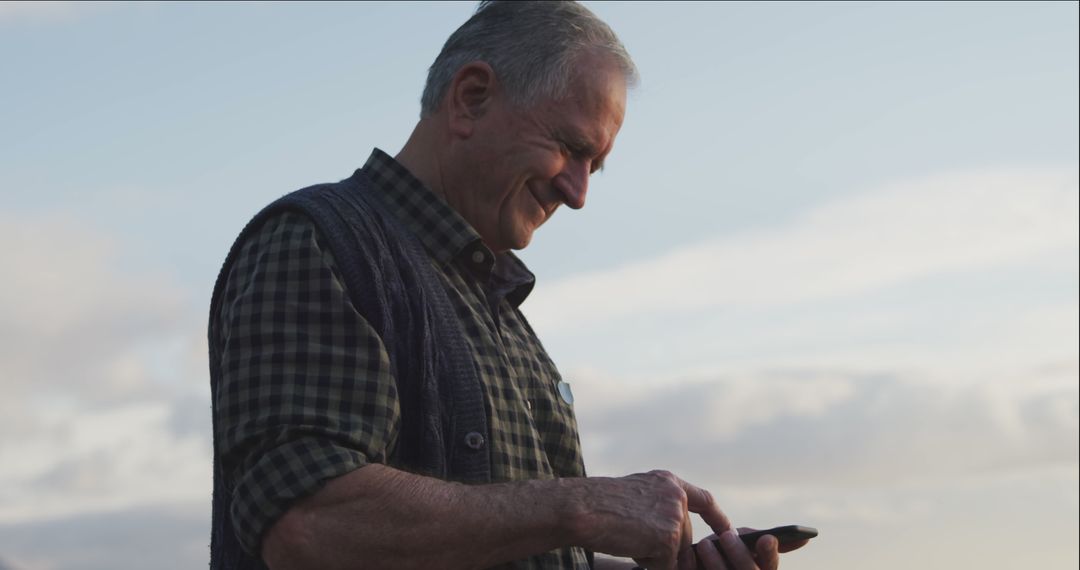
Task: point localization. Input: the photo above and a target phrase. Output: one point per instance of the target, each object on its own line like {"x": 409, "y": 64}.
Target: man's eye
{"x": 568, "y": 147}
{"x": 580, "y": 153}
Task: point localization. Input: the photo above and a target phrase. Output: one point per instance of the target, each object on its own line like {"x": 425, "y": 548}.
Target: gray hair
{"x": 533, "y": 47}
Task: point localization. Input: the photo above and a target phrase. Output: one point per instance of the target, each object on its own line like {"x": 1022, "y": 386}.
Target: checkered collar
{"x": 445, "y": 234}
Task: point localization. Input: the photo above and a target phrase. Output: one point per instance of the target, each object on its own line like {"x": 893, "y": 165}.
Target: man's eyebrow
{"x": 577, "y": 143}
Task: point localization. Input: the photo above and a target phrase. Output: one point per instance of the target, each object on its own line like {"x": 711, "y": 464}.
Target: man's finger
{"x": 767, "y": 556}
{"x": 789, "y": 546}
{"x": 709, "y": 557}
{"x": 701, "y": 502}
{"x": 735, "y": 552}
{"x": 686, "y": 544}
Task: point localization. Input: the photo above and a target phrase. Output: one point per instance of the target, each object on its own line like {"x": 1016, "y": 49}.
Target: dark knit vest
{"x": 391, "y": 282}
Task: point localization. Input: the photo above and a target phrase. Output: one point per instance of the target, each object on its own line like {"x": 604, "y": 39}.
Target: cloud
{"x": 103, "y": 372}
{"x": 901, "y": 359}
{"x": 879, "y": 460}
{"x": 75, "y": 319}
{"x": 895, "y": 234}
{"x": 119, "y": 457}
{"x": 162, "y": 538}
{"x": 996, "y": 511}
{"x": 832, "y": 428}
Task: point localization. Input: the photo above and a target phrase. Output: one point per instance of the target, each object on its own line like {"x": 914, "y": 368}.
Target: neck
{"x": 420, "y": 158}
{"x": 425, "y": 155}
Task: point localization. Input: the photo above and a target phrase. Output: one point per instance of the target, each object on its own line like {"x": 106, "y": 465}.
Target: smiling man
{"x": 379, "y": 399}
{"x": 505, "y": 168}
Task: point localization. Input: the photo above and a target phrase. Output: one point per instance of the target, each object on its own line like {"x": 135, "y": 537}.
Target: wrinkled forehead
{"x": 598, "y": 99}
{"x": 593, "y": 92}
{"x": 599, "y": 84}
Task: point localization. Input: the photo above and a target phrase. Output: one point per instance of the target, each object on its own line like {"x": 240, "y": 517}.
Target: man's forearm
{"x": 380, "y": 517}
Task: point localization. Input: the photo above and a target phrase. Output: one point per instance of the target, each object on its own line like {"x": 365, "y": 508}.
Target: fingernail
{"x": 730, "y": 536}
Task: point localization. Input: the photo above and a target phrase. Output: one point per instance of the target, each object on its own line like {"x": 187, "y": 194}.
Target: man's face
{"x": 524, "y": 163}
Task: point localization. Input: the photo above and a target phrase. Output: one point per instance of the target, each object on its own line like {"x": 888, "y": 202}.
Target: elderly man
{"x": 379, "y": 399}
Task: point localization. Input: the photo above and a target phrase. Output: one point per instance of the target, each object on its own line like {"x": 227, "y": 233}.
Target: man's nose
{"x": 573, "y": 183}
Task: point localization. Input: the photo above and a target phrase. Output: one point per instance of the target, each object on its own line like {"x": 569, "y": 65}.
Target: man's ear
{"x": 469, "y": 96}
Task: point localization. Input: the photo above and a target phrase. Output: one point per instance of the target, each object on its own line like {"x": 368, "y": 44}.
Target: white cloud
{"x": 979, "y": 342}
{"x": 105, "y": 401}
{"x": 74, "y": 319}
{"x": 896, "y": 360}
{"x": 88, "y": 461}
{"x": 895, "y": 234}
{"x": 830, "y": 428}
{"x": 923, "y": 524}
{"x": 881, "y": 460}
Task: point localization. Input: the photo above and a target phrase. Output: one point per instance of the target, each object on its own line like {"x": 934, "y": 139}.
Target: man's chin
{"x": 512, "y": 243}
{"x": 515, "y": 237}
{"x": 520, "y": 240}
{"x": 520, "y": 243}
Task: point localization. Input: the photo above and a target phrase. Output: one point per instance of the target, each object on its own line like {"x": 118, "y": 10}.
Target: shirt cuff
{"x": 284, "y": 474}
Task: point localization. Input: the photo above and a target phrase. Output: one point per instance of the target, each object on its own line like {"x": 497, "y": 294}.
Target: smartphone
{"x": 783, "y": 534}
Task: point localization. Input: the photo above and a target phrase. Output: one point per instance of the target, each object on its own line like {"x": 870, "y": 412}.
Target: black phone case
{"x": 783, "y": 534}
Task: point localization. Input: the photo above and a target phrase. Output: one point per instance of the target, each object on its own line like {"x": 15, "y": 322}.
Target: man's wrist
{"x": 573, "y": 511}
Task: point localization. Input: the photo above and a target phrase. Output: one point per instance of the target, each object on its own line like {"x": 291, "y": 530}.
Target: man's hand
{"x": 646, "y": 517}
{"x": 734, "y": 555}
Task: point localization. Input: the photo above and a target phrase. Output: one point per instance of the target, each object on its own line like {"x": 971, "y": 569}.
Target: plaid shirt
{"x": 288, "y": 325}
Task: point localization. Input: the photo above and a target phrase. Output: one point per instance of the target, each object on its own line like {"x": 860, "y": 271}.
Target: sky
{"x": 829, "y": 272}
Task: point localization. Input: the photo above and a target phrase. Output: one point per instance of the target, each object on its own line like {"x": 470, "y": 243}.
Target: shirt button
{"x": 478, "y": 257}
{"x": 474, "y": 440}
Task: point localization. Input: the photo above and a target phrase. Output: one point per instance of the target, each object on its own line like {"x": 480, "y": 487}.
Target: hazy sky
{"x": 829, "y": 272}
